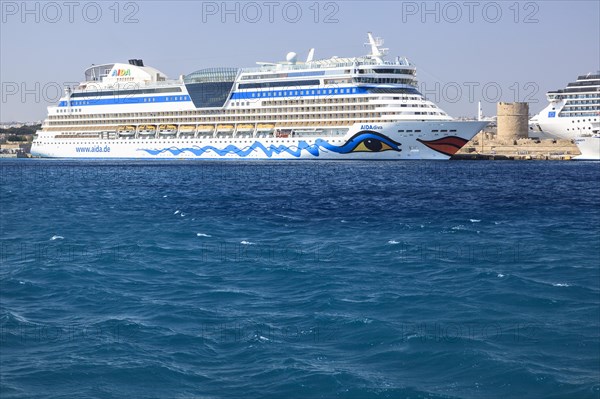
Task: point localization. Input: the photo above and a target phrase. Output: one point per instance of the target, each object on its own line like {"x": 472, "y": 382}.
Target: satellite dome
{"x": 291, "y": 57}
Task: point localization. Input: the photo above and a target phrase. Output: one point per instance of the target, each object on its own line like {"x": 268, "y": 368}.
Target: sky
{"x": 464, "y": 51}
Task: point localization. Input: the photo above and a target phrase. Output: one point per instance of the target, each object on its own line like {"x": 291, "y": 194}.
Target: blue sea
{"x": 472, "y": 279}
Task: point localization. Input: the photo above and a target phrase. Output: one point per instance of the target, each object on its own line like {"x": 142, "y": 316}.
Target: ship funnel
{"x": 136, "y": 62}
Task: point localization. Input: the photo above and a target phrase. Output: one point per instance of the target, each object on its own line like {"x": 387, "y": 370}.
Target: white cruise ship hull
{"x": 560, "y": 128}
{"x": 589, "y": 147}
{"x": 436, "y": 140}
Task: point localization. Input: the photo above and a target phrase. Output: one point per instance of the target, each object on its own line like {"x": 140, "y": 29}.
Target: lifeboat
{"x": 126, "y": 131}
{"x": 146, "y": 130}
{"x": 265, "y": 127}
{"x": 187, "y": 128}
{"x": 224, "y": 128}
{"x": 168, "y": 130}
{"x": 245, "y": 128}
{"x": 205, "y": 128}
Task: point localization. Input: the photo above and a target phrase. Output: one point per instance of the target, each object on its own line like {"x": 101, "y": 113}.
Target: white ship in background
{"x": 335, "y": 108}
{"x": 589, "y": 145}
{"x": 573, "y": 114}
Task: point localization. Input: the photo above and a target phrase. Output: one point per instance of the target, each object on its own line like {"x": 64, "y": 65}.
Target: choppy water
{"x": 332, "y": 279}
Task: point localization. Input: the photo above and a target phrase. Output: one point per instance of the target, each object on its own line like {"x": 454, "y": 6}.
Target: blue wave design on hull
{"x": 242, "y": 152}
{"x": 314, "y": 149}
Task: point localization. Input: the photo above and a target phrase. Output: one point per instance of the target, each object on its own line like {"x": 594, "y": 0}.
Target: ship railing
{"x": 97, "y": 86}
{"x": 320, "y": 64}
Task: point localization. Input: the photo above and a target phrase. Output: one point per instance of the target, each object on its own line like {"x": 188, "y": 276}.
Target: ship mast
{"x": 377, "y": 51}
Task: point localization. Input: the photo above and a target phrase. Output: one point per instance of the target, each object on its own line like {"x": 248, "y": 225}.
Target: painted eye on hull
{"x": 371, "y": 145}
{"x": 370, "y": 141}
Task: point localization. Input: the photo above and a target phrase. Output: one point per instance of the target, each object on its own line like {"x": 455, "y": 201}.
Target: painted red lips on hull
{"x": 446, "y": 145}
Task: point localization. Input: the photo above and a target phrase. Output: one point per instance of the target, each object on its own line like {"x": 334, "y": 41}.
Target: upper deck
{"x": 114, "y": 75}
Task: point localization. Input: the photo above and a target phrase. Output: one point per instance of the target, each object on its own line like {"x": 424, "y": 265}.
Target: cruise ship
{"x": 573, "y": 113}
{"x": 363, "y": 107}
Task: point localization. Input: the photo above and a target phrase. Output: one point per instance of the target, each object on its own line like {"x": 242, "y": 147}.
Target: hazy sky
{"x": 465, "y": 51}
